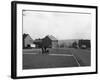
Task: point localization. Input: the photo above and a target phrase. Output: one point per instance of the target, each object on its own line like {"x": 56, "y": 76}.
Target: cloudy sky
{"x": 61, "y": 25}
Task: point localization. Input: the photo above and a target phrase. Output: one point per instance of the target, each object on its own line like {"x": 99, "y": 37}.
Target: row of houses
{"x": 48, "y": 41}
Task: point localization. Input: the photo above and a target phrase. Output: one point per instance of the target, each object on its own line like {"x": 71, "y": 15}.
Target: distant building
{"x": 84, "y": 44}
{"x": 75, "y": 43}
{"x": 27, "y": 41}
{"x": 48, "y": 41}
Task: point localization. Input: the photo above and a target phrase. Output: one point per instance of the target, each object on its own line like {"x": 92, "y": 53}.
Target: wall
{"x": 5, "y": 40}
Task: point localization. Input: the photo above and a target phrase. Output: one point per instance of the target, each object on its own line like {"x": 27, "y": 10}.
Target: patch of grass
{"x": 38, "y": 60}
{"x": 34, "y": 61}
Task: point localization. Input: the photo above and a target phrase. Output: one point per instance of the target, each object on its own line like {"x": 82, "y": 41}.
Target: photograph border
{"x": 14, "y": 38}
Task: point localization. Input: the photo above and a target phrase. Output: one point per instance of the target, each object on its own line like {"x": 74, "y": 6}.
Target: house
{"x": 48, "y": 41}
{"x": 27, "y": 41}
{"x": 51, "y": 41}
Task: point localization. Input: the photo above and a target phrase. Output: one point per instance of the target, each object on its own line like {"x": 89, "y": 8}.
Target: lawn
{"x": 59, "y": 57}
{"x": 83, "y": 56}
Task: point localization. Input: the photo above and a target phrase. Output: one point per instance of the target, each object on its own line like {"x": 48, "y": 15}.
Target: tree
{"x": 74, "y": 45}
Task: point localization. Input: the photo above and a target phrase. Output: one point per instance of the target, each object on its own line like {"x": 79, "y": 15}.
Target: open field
{"x": 60, "y": 57}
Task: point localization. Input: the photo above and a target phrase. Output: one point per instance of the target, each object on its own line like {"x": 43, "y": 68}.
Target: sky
{"x": 61, "y": 25}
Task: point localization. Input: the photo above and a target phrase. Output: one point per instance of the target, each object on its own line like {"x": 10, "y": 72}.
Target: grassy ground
{"x": 83, "y": 56}
{"x": 33, "y": 58}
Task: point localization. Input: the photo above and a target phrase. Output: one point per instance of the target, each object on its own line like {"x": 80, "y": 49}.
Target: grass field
{"x": 59, "y": 57}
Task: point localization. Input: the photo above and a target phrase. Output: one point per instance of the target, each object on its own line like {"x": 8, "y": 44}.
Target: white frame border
{"x": 36, "y": 72}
